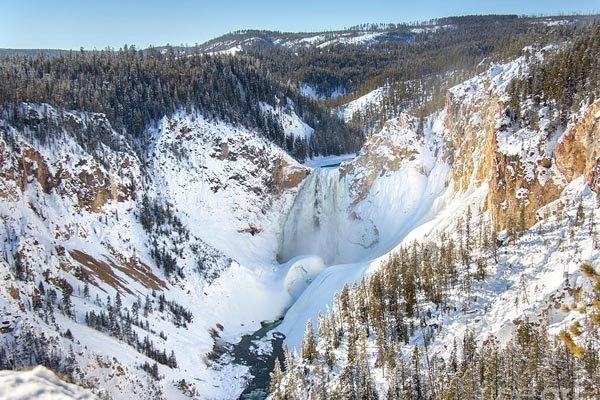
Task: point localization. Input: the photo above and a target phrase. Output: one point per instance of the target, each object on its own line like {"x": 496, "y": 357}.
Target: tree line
{"x": 376, "y": 341}
{"x": 136, "y": 88}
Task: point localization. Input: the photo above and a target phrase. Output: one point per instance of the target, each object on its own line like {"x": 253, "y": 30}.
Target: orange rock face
{"x": 578, "y": 153}
{"x": 522, "y": 182}
{"x": 287, "y": 176}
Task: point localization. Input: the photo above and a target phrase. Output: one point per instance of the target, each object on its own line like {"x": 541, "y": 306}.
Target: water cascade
{"x": 319, "y": 222}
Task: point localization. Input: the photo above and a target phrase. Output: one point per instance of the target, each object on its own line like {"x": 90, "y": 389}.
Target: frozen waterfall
{"x": 319, "y": 222}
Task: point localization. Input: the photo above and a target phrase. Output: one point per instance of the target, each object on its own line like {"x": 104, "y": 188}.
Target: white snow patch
{"x": 292, "y": 124}
{"x": 39, "y": 384}
{"x": 370, "y": 99}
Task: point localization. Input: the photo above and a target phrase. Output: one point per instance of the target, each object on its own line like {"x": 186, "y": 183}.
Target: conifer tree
{"x": 309, "y": 349}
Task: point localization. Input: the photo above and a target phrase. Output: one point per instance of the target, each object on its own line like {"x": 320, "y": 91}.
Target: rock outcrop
{"x": 578, "y": 151}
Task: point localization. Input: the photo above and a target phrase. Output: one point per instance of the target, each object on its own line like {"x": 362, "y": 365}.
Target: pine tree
{"x": 276, "y": 380}
{"x": 580, "y": 215}
{"x": 118, "y": 304}
{"x": 522, "y": 220}
{"x": 347, "y": 382}
{"x": 66, "y": 300}
{"x": 481, "y": 269}
{"x": 147, "y": 306}
{"x": 20, "y": 267}
{"x": 309, "y": 349}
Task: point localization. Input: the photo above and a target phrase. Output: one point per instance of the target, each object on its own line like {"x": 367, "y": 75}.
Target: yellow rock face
{"x": 518, "y": 184}
{"x": 578, "y": 153}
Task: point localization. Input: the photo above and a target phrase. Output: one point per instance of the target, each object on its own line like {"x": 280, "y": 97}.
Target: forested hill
{"x": 361, "y": 58}
{"x": 414, "y": 63}
{"x": 137, "y": 88}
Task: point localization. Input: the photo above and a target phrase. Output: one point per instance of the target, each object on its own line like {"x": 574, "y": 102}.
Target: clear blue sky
{"x": 71, "y": 24}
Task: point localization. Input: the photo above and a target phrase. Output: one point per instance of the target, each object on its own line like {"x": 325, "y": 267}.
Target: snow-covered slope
{"x": 39, "y": 384}
{"x": 188, "y": 247}
{"x": 372, "y": 98}
{"x": 408, "y": 185}
{"x": 292, "y": 124}
{"x": 229, "y": 183}
{"x": 534, "y": 274}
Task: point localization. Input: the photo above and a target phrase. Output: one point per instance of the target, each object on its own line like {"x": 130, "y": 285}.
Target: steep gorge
{"x": 257, "y": 234}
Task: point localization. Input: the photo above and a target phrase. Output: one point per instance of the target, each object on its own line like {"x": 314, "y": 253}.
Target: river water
{"x": 246, "y": 352}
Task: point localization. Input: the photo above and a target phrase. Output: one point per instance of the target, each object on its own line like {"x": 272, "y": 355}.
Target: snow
{"x": 363, "y": 38}
{"x": 555, "y": 22}
{"x": 230, "y": 47}
{"x": 362, "y": 103}
{"x": 310, "y": 91}
{"x": 292, "y": 124}
{"x": 498, "y": 76}
{"x": 431, "y": 29}
{"x": 360, "y": 38}
{"x": 230, "y": 51}
{"x": 205, "y": 184}
{"x": 311, "y": 39}
{"x": 39, "y": 384}
{"x": 317, "y": 298}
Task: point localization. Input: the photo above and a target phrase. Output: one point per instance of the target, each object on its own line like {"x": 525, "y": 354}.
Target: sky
{"x": 72, "y": 24}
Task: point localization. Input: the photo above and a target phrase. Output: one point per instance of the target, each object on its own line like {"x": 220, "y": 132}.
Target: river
{"x": 246, "y": 352}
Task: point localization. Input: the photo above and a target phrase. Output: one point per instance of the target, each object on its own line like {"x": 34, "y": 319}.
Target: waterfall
{"x": 319, "y": 222}
{"x": 316, "y": 220}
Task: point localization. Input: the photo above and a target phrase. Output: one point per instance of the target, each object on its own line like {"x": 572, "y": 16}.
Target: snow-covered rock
{"x": 72, "y": 223}
{"x": 39, "y": 384}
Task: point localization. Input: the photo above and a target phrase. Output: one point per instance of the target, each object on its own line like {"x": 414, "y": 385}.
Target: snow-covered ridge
{"x": 498, "y": 76}
{"x": 240, "y": 41}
